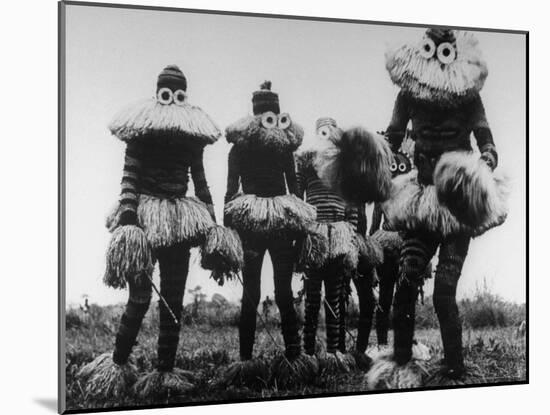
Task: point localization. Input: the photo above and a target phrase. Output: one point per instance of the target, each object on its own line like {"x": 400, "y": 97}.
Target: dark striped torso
{"x": 160, "y": 168}
{"x": 330, "y": 207}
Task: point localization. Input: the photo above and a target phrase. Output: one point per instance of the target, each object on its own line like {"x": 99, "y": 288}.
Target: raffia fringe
{"x": 148, "y": 117}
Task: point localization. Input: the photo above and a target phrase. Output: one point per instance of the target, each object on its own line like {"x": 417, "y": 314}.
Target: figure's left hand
{"x": 489, "y": 159}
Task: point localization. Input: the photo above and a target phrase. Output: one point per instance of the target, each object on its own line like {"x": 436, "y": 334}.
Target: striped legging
{"x": 174, "y": 267}
{"x": 332, "y": 276}
{"x": 417, "y": 250}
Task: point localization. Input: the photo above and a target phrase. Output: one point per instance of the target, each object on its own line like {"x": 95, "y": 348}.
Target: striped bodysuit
{"x": 331, "y": 208}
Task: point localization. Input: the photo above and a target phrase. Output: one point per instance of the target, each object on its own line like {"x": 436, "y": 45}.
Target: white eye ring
{"x": 402, "y": 167}
{"x": 446, "y": 52}
{"x": 165, "y": 96}
{"x": 427, "y": 48}
{"x": 269, "y": 119}
{"x": 393, "y": 167}
{"x": 180, "y": 97}
{"x": 284, "y": 121}
{"x": 323, "y": 132}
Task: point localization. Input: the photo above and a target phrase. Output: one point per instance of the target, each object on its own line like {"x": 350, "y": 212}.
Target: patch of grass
{"x": 209, "y": 344}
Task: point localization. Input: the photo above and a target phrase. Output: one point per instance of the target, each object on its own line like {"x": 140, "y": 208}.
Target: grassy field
{"x": 208, "y": 347}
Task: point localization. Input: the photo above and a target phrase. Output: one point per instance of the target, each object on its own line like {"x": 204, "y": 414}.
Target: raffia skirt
{"x": 264, "y": 217}
{"x": 169, "y": 221}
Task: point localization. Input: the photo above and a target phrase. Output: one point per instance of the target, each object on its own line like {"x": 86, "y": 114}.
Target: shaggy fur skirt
{"x": 338, "y": 241}
{"x": 169, "y": 221}
{"x": 329, "y": 241}
{"x": 265, "y": 217}
{"x": 414, "y": 206}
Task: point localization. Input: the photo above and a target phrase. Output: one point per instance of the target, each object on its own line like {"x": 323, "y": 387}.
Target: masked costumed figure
{"x": 334, "y": 265}
{"x": 267, "y": 218}
{"x": 391, "y": 242}
{"x": 356, "y": 167}
{"x": 452, "y": 196}
{"x": 155, "y": 220}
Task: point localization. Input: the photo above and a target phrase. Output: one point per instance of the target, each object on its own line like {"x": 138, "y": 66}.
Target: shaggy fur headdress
{"x": 444, "y": 66}
{"x": 168, "y": 114}
{"x": 267, "y": 129}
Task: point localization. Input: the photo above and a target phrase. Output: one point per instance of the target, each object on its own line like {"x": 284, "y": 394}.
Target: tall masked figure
{"x": 156, "y": 221}
{"x": 451, "y": 196}
{"x": 262, "y": 206}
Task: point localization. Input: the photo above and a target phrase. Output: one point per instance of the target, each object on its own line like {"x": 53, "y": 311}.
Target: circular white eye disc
{"x": 446, "y": 52}
{"x": 324, "y": 131}
{"x": 427, "y": 48}
{"x": 269, "y": 119}
{"x": 165, "y": 96}
{"x": 180, "y": 96}
{"x": 284, "y": 120}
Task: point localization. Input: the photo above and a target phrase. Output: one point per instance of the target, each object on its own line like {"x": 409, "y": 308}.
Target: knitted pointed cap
{"x": 321, "y": 122}
{"x": 172, "y": 77}
{"x": 265, "y": 100}
{"x": 439, "y": 35}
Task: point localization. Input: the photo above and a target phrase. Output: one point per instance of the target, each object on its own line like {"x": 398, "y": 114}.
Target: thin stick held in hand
{"x": 163, "y": 300}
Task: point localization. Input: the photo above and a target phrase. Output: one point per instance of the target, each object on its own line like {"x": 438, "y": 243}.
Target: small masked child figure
{"x": 267, "y": 218}
{"x": 451, "y": 196}
{"x": 391, "y": 242}
{"x": 334, "y": 265}
{"x": 155, "y": 220}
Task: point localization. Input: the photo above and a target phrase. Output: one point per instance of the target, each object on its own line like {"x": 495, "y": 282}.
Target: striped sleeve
{"x": 290, "y": 174}
{"x": 130, "y": 178}
{"x": 233, "y": 174}
{"x": 199, "y": 181}
{"x": 482, "y": 133}
{"x": 395, "y": 132}
{"x": 300, "y": 179}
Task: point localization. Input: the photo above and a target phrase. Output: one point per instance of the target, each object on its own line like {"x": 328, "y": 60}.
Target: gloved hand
{"x": 128, "y": 217}
{"x": 490, "y": 159}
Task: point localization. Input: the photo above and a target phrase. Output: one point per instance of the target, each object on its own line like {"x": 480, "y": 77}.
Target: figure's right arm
{"x": 397, "y": 129}
{"x": 300, "y": 179}
{"x": 129, "y": 193}
{"x": 233, "y": 174}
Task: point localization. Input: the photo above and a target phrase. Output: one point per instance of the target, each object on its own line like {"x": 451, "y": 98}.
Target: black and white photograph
{"x": 263, "y": 207}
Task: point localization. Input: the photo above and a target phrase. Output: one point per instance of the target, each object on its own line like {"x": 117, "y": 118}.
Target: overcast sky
{"x": 318, "y": 68}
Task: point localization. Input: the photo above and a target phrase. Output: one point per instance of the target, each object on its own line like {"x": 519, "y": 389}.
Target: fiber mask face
{"x": 445, "y": 66}
{"x": 400, "y": 165}
{"x": 167, "y": 116}
{"x": 268, "y": 130}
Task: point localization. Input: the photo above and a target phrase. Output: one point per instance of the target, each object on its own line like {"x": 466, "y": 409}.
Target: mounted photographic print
{"x": 258, "y": 207}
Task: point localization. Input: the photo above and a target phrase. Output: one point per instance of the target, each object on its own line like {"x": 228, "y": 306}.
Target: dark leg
{"x": 282, "y": 257}
{"x": 313, "y": 305}
{"x": 416, "y": 252}
{"x": 130, "y": 322}
{"x": 174, "y": 267}
{"x": 346, "y": 292}
{"x": 363, "y": 286}
{"x": 252, "y": 273}
{"x": 451, "y": 259}
{"x": 387, "y": 273}
{"x": 333, "y": 279}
